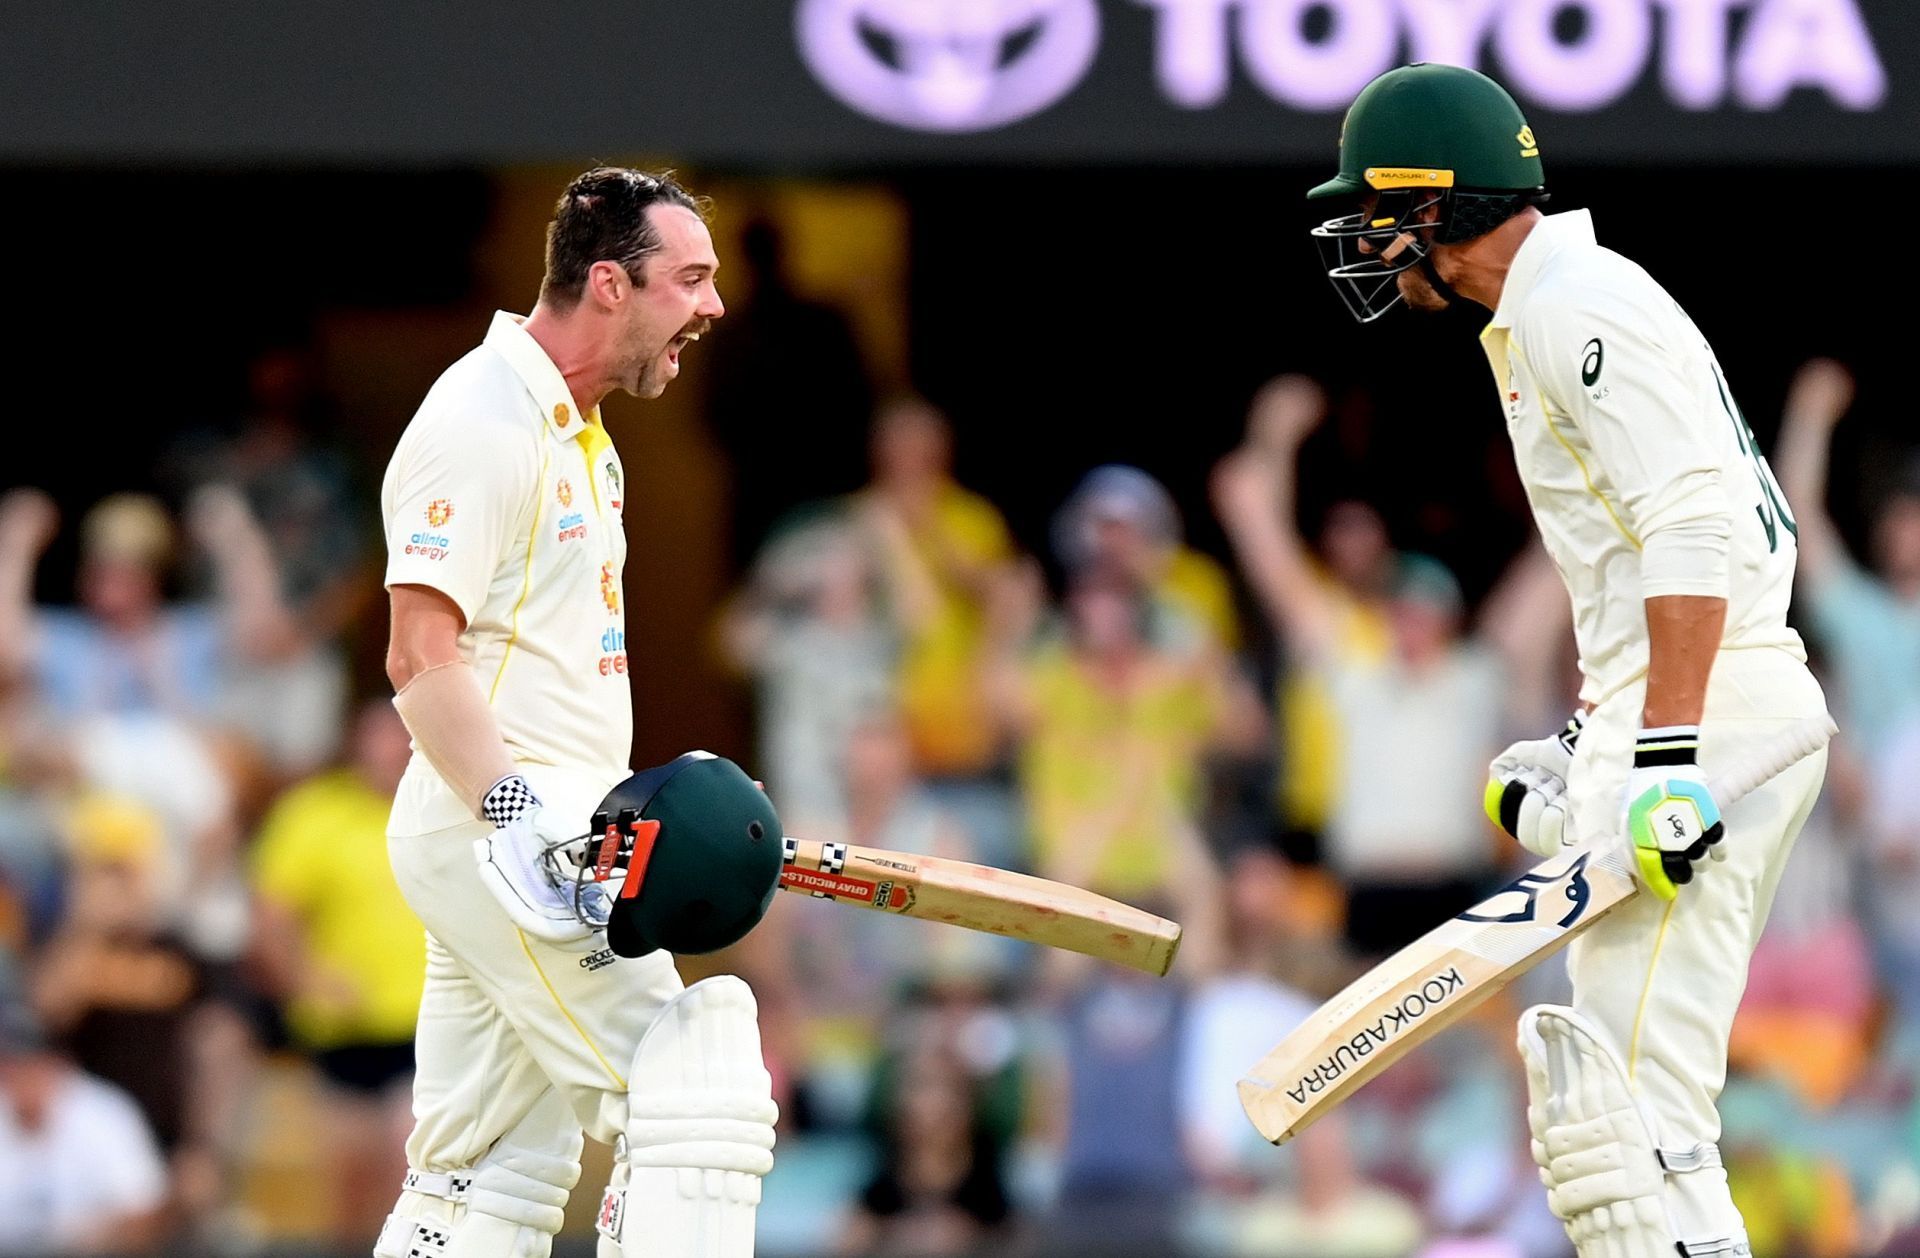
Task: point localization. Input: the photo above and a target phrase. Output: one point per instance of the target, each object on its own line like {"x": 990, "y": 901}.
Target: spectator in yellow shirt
{"x": 1116, "y": 712}
{"x": 1123, "y": 520}
{"x": 1354, "y": 568}
{"x": 350, "y": 957}
{"x": 960, "y": 543}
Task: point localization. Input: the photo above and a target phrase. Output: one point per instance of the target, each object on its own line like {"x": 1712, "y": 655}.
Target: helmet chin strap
{"x": 1440, "y": 286}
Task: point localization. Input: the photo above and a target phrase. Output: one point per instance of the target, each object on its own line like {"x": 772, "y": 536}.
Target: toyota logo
{"x": 948, "y": 65}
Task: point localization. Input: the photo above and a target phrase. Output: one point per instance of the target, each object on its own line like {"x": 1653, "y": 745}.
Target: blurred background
{"x": 959, "y": 532}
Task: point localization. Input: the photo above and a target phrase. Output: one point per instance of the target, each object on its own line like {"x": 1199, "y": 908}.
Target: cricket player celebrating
{"x": 503, "y": 508}
{"x": 1677, "y": 549}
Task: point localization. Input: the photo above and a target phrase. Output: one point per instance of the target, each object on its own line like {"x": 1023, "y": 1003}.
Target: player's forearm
{"x": 439, "y": 697}
{"x": 1683, "y": 637}
{"x": 453, "y": 726}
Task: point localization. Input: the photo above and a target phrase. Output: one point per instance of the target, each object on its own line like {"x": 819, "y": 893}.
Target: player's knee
{"x": 528, "y": 1187}
{"x": 701, "y": 1096}
{"x": 1595, "y": 1149}
{"x": 1608, "y": 1178}
{"x": 510, "y": 1204}
{"x": 699, "y": 1127}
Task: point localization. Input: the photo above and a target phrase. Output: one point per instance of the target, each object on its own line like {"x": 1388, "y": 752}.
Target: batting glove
{"x": 515, "y": 865}
{"x": 1672, "y": 819}
{"x": 1526, "y": 791}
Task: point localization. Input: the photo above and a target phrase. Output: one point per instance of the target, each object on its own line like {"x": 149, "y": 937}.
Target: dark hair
{"x": 602, "y": 217}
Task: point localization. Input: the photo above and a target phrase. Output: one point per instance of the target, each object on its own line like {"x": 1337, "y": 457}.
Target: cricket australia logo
{"x": 1532, "y": 888}
{"x": 948, "y": 65}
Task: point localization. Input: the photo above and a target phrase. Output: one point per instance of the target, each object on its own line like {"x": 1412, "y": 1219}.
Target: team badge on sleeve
{"x": 439, "y": 511}
{"x": 564, "y": 492}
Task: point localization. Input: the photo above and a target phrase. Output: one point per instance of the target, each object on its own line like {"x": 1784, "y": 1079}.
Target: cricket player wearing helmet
{"x": 1677, "y": 550}
{"x": 551, "y": 1003}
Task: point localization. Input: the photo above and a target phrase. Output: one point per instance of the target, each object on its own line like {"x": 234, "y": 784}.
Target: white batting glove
{"x": 1526, "y": 791}
{"x": 513, "y": 864}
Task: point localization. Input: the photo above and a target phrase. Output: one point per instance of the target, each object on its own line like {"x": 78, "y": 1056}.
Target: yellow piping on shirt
{"x": 1579, "y": 462}
{"x": 566, "y": 1013}
{"x": 1640, "y": 1011}
{"x": 594, "y": 439}
{"x": 526, "y": 580}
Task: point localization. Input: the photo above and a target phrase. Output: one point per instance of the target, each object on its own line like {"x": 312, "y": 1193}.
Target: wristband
{"x": 1668, "y": 745}
{"x": 507, "y": 800}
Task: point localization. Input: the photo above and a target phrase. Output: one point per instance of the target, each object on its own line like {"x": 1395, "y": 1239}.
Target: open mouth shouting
{"x": 691, "y": 333}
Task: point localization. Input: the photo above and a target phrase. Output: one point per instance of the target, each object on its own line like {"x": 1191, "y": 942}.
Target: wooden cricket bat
{"x": 1436, "y": 980}
{"x": 980, "y": 897}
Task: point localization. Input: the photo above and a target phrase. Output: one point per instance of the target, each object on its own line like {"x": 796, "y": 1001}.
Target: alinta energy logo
{"x": 976, "y": 65}
{"x": 949, "y": 65}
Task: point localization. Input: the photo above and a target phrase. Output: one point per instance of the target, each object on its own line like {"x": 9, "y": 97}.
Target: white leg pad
{"x": 699, "y": 1130}
{"x": 421, "y": 1226}
{"x": 1607, "y": 1176}
{"x": 509, "y": 1205}
{"x": 1596, "y": 1151}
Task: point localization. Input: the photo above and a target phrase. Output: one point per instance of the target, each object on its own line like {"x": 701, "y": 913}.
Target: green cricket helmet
{"x": 1416, "y": 138}
{"x": 693, "y": 847}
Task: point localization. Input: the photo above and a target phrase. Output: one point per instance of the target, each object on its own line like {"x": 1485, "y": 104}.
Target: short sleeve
{"x": 1602, "y": 363}
{"x": 454, "y": 502}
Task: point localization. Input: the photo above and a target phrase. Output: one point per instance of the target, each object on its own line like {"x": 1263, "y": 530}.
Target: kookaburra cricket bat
{"x": 980, "y": 897}
{"x": 1436, "y": 980}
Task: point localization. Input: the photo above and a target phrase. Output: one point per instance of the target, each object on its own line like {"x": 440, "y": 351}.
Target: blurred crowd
{"x": 208, "y": 979}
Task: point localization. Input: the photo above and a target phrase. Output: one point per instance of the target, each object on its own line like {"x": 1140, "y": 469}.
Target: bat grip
{"x": 1799, "y": 741}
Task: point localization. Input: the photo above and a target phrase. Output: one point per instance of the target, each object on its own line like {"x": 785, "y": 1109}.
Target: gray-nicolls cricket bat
{"x": 980, "y": 897}
{"x": 1437, "y": 979}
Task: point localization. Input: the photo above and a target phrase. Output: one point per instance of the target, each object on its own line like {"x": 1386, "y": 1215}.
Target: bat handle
{"x": 1800, "y": 740}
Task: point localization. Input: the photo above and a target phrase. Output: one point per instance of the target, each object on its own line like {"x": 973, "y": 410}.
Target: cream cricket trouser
{"x": 506, "y": 1018}
{"x": 1664, "y": 979}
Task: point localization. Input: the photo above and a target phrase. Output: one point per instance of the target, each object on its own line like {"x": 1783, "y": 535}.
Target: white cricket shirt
{"x": 1642, "y": 473}
{"x": 505, "y": 500}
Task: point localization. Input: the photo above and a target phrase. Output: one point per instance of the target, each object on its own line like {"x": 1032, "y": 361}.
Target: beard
{"x": 652, "y": 380}
{"x": 1418, "y": 292}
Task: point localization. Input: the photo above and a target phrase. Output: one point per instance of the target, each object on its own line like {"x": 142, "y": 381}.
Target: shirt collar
{"x": 508, "y": 338}
{"x": 1548, "y": 237}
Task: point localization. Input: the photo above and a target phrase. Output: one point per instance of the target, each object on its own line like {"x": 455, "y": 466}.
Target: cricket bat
{"x": 1439, "y": 978}
{"x": 980, "y": 897}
